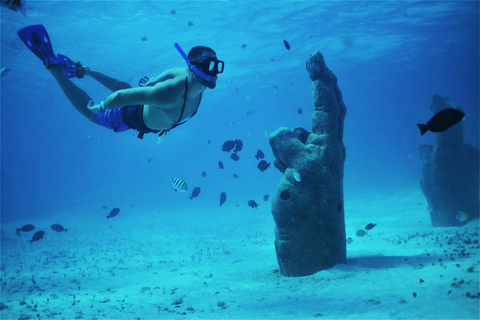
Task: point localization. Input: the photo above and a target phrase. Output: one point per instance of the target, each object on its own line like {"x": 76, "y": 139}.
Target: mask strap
{"x": 189, "y": 63}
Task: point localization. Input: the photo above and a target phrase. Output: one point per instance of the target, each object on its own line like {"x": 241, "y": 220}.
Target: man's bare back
{"x": 171, "y": 87}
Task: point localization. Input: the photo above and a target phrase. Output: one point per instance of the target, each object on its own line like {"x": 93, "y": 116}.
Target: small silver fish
{"x": 4, "y": 72}
{"x": 297, "y": 176}
{"x": 179, "y": 185}
{"x": 160, "y": 139}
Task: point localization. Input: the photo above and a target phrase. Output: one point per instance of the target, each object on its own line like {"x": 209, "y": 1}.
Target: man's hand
{"x": 143, "y": 82}
{"x": 96, "y": 108}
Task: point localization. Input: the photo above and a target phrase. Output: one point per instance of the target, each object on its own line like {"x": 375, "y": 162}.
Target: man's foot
{"x": 80, "y": 70}
{"x": 49, "y": 66}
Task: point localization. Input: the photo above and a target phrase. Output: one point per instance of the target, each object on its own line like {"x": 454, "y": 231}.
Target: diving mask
{"x": 211, "y": 66}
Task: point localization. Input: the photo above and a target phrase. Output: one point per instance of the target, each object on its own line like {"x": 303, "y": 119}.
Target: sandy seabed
{"x": 220, "y": 263}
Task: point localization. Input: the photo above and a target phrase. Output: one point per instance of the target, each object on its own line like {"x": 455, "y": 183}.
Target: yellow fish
{"x": 361, "y": 233}
{"x": 462, "y": 216}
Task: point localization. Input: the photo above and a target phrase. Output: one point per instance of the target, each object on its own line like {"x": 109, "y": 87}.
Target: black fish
{"x": 300, "y": 111}
{"x": 223, "y": 197}
{"x": 113, "y": 213}
{"x": 252, "y": 204}
{"x": 235, "y": 157}
{"x": 235, "y": 176}
{"x": 195, "y": 192}
{"x": 370, "y": 226}
{"x": 144, "y": 39}
{"x": 260, "y": 154}
{"x": 204, "y": 174}
{"x": 238, "y": 145}
{"x": 25, "y": 228}
{"x": 228, "y": 146}
{"x": 287, "y": 45}
{"x": 263, "y": 165}
{"x": 265, "y": 197}
{"x": 220, "y": 165}
{"x": 15, "y": 5}
{"x": 442, "y": 121}
{"x": 58, "y": 228}
{"x": 37, "y": 236}
{"x": 244, "y": 46}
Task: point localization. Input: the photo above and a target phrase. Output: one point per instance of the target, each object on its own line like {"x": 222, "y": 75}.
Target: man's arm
{"x": 163, "y": 94}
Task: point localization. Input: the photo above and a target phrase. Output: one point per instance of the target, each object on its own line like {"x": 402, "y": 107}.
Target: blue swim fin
{"x": 37, "y": 40}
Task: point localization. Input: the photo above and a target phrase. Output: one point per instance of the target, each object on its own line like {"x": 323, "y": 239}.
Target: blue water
{"x": 57, "y": 167}
{"x": 390, "y": 59}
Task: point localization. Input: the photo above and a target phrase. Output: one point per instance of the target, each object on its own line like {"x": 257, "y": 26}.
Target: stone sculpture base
{"x": 309, "y": 214}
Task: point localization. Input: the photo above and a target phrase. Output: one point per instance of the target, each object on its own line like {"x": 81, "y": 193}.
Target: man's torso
{"x": 158, "y": 118}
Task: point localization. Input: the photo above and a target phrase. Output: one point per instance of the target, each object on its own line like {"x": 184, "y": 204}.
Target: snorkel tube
{"x": 191, "y": 66}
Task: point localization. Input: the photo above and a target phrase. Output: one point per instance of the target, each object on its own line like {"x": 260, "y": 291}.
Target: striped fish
{"x": 297, "y": 176}
{"x": 4, "y": 72}
{"x": 179, "y": 185}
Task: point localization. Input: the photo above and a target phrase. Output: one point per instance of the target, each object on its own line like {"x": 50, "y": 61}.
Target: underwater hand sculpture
{"x": 450, "y": 173}
{"x": 308, "y": 204}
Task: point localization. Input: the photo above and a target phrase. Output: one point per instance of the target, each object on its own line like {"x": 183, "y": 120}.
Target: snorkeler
{"x": 159, "y": 105}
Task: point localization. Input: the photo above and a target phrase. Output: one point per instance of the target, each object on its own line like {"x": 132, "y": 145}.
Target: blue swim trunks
{"x": 125, "y": 118}
{"x": 112, "y": 119}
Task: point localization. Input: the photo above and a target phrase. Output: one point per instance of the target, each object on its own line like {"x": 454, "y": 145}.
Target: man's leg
{"x": 77, "y": 96}
{"x": 111, "y": 83}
